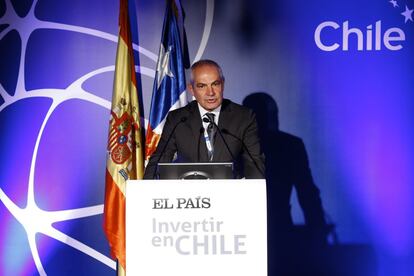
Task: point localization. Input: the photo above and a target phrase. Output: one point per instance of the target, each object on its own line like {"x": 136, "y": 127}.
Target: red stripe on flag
{"x": 125, "y": 34}
{"x": 114, "y": 219}
{"x": 152, "y": 140}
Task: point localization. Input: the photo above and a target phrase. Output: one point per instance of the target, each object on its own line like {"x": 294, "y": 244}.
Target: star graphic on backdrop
{"x": 407, "y": 14}
{"x": 163, "y": 66}
{"x": 394, "y": 3}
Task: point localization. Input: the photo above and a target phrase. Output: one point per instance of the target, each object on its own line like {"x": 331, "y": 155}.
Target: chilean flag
{"x": 169, "y": 83}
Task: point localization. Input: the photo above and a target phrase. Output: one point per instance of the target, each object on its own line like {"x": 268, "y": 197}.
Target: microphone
{"x": 182, "y": 120}
{"x": 198, "y": 146}
{"x": 225, "y": 131}
{"x": 207, "y": 120}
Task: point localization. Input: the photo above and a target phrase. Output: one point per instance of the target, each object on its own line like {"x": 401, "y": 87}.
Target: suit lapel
{"x": 220, "y": 150}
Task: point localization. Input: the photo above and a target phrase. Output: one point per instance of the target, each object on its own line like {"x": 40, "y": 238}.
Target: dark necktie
{"x": 211, "y": 131}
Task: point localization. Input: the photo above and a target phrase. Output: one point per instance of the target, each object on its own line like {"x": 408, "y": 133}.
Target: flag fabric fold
{"x": 125, "y": 158}
{"x": 169, "y": 82}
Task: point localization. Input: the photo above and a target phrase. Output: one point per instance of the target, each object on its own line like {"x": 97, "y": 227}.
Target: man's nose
{"x": 210, "y": 91}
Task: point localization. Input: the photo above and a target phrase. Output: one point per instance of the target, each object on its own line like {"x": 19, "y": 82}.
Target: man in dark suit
{"x": 193, "y": 139}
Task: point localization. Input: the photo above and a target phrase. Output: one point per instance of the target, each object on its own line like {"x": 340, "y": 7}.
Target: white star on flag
{"x": 407, "y": 14}
{"x": 163, "y": 66}
{"x": 394, "y": 3}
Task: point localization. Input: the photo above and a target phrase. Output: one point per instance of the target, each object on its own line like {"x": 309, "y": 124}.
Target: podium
{"x": 196, "y": 227}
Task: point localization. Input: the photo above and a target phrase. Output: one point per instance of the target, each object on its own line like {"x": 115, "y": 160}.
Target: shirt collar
{"x": 216, "y": 112}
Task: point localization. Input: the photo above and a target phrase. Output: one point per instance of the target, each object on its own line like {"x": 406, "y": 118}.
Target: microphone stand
{"x": 198, "y": 146}
{"x": 182, "y": 120}
{"x": 207, "y": 120}
{"x": 247, "y": 150}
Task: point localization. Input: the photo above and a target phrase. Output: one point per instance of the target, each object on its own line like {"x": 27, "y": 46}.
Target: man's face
{"x": 207, "y": 87}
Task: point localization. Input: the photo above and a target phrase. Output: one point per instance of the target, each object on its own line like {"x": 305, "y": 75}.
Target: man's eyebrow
{"x": 212, "y": 83}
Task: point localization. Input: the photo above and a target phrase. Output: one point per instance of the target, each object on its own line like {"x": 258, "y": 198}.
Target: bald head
{"x": 205, "y": 62}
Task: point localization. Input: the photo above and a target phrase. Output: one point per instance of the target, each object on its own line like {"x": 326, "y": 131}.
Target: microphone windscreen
{"x": 206, "y": 120}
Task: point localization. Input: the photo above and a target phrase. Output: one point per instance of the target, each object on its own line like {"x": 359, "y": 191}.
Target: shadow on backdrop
{"x": 299, "y": 249}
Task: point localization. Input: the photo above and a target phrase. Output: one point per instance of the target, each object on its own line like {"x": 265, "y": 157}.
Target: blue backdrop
{"x": 340, "y": 72}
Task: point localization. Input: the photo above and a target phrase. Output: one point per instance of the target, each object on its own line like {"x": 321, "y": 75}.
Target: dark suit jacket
{"x": 238, "y": 125}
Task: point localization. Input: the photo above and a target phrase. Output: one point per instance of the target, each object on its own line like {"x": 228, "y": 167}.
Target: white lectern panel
{"x": 196, "y": 227}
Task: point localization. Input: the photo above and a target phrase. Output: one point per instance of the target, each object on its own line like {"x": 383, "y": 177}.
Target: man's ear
{"x": 190, "y": 88}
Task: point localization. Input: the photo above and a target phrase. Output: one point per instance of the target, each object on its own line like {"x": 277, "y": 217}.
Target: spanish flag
{"x": 125, "y": 158}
